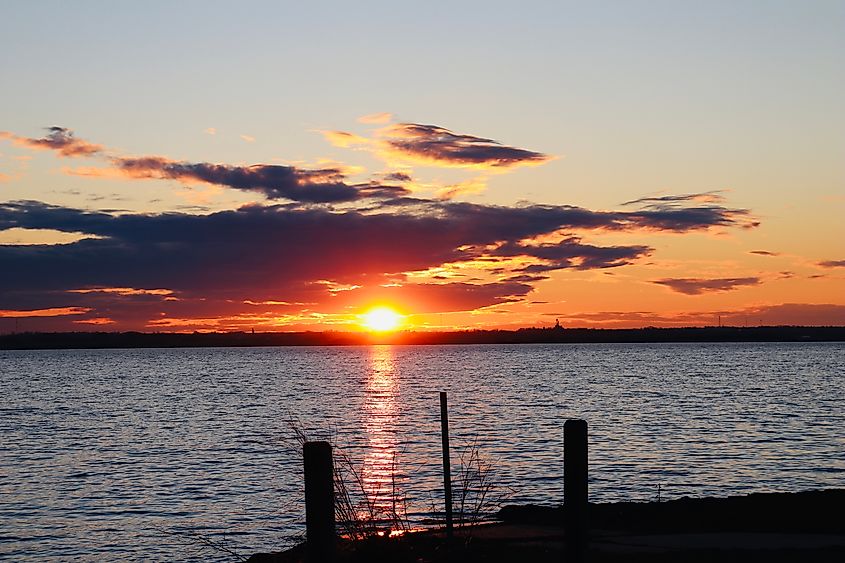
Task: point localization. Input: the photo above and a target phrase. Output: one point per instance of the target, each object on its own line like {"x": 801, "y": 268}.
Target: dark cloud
{"x": 274, "y": 181}
{"x": 325, "y": 185}
{"x": 697, "y": 286}
{"x": 764, "y": 253}
{"x": 832, "y": 264}
{"x": 266, "y": 249}
{"x": 398, "y": 177}
{"x": 572, "y": 253}
{"x": 288, "y": 243}
{"x": 58, "y": 139}
{"x": 433, "y": 144}
{"x": 673, "y": 212}
{"x": 516, "y": 223}
{"x": 277, "y": 253}
{"x": 680, "y": 219}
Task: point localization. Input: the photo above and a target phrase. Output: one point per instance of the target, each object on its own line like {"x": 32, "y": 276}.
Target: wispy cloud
{"x": 775, "y": 314}
{"x": 376, "y": 118}
{"x": 58, "y": 139}
{"x": 274, "y": 181}
{"x": 344, "y": 139}
{"x": 322, "y": 185}
{"x": 467, "y": 187}
{"x": 832, "y": 264}
{"x": 671, "y": 212}
{"x": 698, "y": 286}
{"x": 713, "y": 196}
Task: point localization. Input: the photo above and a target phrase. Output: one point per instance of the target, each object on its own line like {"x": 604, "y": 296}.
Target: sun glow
{"x": 381, "y": 319}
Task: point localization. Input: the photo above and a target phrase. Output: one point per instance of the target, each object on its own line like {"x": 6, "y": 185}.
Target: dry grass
{"x": 359, "y": 510}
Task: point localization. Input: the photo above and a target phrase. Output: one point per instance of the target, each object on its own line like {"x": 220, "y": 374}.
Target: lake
{"x": 133, "y": 454}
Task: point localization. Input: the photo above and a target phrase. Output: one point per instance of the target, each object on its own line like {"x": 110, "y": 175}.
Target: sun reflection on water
{"x": 380, "y": 421}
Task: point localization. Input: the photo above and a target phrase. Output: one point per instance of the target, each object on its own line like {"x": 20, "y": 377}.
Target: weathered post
{"x": 447, "y": 471}
{"x": 575, "y": 487}
{"x": 319, "y": 500}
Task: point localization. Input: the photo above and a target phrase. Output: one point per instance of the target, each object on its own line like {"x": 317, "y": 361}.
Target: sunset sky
{"x": 289, "y": 166}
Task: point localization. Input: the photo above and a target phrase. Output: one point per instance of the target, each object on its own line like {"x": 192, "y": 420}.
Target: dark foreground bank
{"x": 771, "y": 527}
{"x": 81, "y": 340}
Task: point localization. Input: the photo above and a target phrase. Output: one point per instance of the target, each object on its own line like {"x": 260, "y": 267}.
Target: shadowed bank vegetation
{"x": 770, "y": 527}
{"x": 70, "y": 340}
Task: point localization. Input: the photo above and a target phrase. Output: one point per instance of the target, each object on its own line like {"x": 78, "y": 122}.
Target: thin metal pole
{"x": 447, "y": 472}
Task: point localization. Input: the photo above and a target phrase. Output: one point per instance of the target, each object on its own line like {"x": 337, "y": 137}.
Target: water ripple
{"x": 105, "y": 451}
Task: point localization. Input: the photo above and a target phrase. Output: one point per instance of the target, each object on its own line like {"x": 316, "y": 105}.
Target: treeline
{"x": 74, "y": 340}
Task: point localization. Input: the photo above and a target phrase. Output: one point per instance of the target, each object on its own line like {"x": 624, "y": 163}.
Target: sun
{"x": 381, "y": 319}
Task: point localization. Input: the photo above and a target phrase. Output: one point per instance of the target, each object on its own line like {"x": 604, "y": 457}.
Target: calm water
{"x": 104, "y": 453}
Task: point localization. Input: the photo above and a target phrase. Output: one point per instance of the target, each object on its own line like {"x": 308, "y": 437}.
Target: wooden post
{"x": 575, "y": 487}
{"x": 447, "y": 471}
{"x": 319, "y": 500}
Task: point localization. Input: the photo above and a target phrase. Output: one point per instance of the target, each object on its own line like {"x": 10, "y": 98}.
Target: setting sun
{"x": 381, "y": 319}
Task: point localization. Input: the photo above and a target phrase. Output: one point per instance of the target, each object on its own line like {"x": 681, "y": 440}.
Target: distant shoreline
{"x": 83, "y": 340}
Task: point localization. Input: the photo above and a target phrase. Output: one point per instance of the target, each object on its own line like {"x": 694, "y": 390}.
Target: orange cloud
{"x": 95, "y": 172}
{"x": 376, "y": 118}
{"x": 19, "y": 236}
{"x": 344, "y": 139}
{"x": 58, "y": 139}
{"x": 95, "y": 321}
{"x": 51, "y": 312}
{"x": 468, "y": 187}
{"x": 434, "y": 145}
{"x": 122, "y": 291}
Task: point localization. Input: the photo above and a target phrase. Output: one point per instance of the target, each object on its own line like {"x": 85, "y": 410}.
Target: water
{"x": 106, "y": 454}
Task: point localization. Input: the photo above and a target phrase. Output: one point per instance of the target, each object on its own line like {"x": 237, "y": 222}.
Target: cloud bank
{"x": 299, "y": 252}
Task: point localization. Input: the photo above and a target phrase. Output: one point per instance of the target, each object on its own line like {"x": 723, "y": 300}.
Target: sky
{"x": 274, "y": 166}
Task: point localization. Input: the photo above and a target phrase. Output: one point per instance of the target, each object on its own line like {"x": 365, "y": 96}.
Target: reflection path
{"x": 379, "y": 474}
